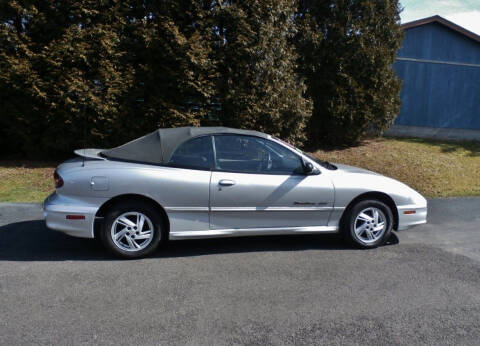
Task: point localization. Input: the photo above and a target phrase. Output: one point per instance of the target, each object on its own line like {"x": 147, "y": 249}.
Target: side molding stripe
{"x": 230, "y": 209}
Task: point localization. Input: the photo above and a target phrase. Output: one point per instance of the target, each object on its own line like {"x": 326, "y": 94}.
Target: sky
{"x": 465, "y": 13}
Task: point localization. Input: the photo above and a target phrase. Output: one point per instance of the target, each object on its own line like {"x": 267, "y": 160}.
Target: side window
{"x": 196, "y": 153}
{"x": 282, "y": 160}
{"x": 246, "y": 154}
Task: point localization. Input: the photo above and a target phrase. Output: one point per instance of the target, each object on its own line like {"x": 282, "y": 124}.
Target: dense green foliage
{"x": 347, "y": 49}
{"x": 258, "y": 84}
{"x": 99, "y": 73}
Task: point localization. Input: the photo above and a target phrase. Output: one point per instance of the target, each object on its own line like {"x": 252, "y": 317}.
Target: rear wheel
{"x": 368, "y": 224}
{"x": 132, "y": 230}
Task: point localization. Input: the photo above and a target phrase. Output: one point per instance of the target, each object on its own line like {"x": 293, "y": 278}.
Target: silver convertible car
{"x": 199, "y": 182}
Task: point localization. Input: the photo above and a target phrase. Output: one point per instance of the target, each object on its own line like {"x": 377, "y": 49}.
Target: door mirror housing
{"x": 309, "y": 168}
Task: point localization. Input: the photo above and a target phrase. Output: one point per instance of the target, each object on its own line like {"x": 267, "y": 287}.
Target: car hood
{"x": 353, "y": 169}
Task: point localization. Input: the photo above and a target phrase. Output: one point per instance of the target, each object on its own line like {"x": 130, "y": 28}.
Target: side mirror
{"x": 308, "y": 168}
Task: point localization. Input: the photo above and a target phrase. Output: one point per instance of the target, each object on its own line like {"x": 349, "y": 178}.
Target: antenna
{"x": 85, "y": 98}
{"x": 84, "y": 133}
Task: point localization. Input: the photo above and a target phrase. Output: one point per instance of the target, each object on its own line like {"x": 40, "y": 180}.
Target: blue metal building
{"x": 439, "y": 65}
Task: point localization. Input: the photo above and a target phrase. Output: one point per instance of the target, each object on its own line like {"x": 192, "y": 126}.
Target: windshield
{"x": 324, "y": 164}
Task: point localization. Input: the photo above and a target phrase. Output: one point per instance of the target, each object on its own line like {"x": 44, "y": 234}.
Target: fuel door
{"x": 99, "y": 183}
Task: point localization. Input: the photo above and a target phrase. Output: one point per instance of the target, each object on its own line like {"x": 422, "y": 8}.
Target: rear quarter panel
{"x": 183, "y": 193}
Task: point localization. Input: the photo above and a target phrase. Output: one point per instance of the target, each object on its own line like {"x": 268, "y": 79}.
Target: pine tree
{"x": 170, "y": 50}
{"x": 108, "y": 71}
{"x": 347, "y": 49}
{"x": 100, "y": 71}
{"x": 62, "y": 74}
{"x": 258, "y": 84}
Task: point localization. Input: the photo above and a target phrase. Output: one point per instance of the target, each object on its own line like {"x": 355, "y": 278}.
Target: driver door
{"x": 258, "y": 183}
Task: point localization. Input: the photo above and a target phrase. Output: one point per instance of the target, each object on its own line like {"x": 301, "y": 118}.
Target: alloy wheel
{"x": 370, "y": 225}
{"x": 132, "y": 231}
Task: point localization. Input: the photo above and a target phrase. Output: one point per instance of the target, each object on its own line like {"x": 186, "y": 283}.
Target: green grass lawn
{"x": 25, "y": 181}
{"x": 434, "y": 168}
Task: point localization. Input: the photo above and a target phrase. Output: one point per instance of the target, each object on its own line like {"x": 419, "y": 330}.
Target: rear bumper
{"x": 55, "y": 211}
{"x": 411, "y": 215}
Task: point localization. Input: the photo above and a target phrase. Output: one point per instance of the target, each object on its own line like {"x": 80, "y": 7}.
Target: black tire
{"x": 126, "y": 207}
{"x": 349, "y": 219}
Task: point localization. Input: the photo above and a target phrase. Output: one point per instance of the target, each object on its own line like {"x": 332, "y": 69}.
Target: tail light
{"x": 58, "y": 180}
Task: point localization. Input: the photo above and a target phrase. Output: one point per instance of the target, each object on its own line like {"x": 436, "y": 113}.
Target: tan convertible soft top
{"x": 157, "y": 147}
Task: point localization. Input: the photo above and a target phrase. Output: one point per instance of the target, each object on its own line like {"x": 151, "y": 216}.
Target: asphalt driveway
{"x": 422, "y": 288}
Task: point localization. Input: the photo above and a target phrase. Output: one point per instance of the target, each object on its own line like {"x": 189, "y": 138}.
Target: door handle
{"x": 226, "y": 182}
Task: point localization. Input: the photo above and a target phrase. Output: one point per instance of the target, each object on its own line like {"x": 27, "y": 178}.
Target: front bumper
{"x": 57, "y": 207}
{"x": 411, "y": 215}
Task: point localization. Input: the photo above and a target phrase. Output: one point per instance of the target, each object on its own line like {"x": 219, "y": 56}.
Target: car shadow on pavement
{"x": 33, "y": 241}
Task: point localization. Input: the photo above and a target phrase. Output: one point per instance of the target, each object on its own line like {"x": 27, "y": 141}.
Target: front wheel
{"x": 368, "y": 224}
{"x": 132, "y": 230}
